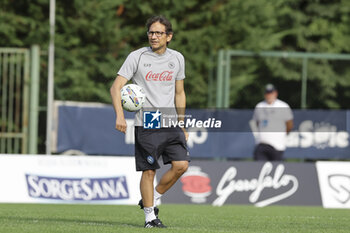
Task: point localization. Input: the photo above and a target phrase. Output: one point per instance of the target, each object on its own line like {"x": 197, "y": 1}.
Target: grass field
{"x": 179, "y": 218}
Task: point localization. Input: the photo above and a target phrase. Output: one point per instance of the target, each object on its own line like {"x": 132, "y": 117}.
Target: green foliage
{"x": 94, "y": 37}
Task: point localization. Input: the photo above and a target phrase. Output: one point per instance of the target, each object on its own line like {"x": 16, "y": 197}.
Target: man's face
{"x": 270, "y": 97}
{"x": 158, "y": 42}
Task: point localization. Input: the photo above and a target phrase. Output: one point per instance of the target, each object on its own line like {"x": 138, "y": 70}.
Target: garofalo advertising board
{"x": 257, "y": 183}
{"x": 113, "y": 180}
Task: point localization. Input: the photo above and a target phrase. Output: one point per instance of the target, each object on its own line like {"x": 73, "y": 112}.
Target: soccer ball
{"x": 133, "y": 97}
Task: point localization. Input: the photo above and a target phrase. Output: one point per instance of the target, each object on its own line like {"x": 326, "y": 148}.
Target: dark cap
{"x": 270, "y": 88}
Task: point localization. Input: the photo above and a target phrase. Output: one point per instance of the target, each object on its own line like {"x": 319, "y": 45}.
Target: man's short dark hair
{"x": 161, "y": 19}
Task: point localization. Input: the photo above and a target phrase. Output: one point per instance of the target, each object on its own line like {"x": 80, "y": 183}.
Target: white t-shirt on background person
{"x": 271, "y": 123}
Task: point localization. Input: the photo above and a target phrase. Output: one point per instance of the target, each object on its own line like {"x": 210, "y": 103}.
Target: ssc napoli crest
{"x": 150, "y": 159}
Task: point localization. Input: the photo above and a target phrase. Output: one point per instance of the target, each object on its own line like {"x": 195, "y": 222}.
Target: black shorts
{"x": 266, "y": 152}
{"x": 150, "y": 144}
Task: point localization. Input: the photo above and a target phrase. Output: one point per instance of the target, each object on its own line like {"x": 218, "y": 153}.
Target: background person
{"x": 272, "y": 120}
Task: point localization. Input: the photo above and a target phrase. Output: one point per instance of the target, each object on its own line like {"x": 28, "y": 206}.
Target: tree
{"x": 94, "y": 37}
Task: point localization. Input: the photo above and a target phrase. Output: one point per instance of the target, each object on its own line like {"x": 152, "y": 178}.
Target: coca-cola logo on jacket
{"x": 163, "y": 76}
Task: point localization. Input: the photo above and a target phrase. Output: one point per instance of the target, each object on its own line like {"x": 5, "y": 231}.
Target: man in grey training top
{"x": 160, "y": 71}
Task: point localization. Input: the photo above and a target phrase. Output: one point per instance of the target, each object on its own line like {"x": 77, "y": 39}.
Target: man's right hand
{"x": 120, "y": 125}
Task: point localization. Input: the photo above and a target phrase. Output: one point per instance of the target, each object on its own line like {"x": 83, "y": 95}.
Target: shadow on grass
{"x": 64, "y": 220}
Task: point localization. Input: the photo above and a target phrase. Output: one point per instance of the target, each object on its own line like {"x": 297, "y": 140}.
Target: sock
{"x": 156, "y": 197}
{"x": 149, "y": 214}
